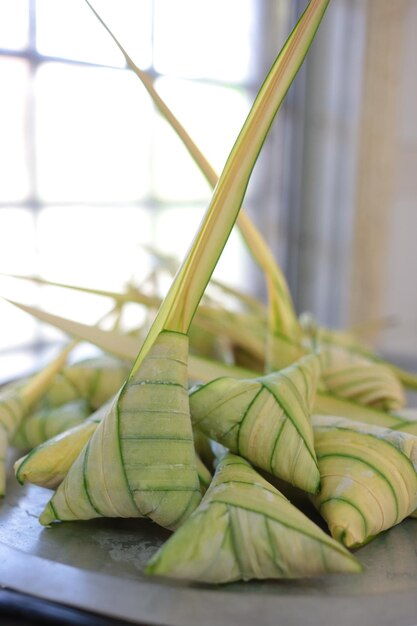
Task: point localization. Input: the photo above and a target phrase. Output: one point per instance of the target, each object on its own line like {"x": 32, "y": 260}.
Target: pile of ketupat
{"x": 316, "y": 409}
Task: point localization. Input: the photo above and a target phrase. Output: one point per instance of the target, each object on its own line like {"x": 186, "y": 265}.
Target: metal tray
{"x": 98, "y": 566}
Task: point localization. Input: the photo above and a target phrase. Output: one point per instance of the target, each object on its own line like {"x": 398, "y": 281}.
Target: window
{"x": 90, "y": 171}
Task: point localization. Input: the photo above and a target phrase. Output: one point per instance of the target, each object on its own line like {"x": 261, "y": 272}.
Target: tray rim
{"x": 159, "y": 602}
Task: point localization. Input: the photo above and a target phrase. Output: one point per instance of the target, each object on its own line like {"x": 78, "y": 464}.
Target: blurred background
{"x": 90, "y": 173}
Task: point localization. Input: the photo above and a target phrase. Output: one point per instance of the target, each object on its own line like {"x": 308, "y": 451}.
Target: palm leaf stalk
{"x": 280, "y": 301}
{"x": 16, "y": 401}
{"x": 284, "y": 341}
{"x": 146, "y": 455}
{"x": 368, "y": 478}
{"x": 244, "y": 528}
{"x": 119, "y": 297}
{"x": 250, "y": 303}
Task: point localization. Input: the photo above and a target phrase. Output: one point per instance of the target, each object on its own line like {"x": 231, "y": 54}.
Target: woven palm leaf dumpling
{"x": 368, "y": 477}
{"x": 17, "y": 401}
{"x": 140, "y": 460}
{"x": 244, "y": 528}
{"x": 266, "y": 420}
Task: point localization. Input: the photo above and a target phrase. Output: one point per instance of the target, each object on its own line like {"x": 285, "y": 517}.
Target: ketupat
{"x": 140, "y": 461}
{"x": 48, "y": 464}
{"x": 352, "y": 376}
{"x": 49, "y": 422}
{"x": 16, "y": 401}
{"x": 368, "y": 477}
{"x": 266, "y": 420}
{"x": 96, "y": 379}
{"x": 153, "y": 489}
{"x": 244, "y": 528}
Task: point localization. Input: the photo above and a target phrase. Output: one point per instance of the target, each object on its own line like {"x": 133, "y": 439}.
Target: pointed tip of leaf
{"x": 48, "y": 516}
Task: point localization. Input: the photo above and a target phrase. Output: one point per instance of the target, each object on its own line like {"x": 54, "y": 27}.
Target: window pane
{"x": 17, "y": 256}
{"x": 93, "y": 131}
{"x": 175, "y": 175}
{"x": 14, "y": 179}
{"x": 69, "y": 29}
{"x": 17, "y": 241}
{"x": 14, "y": 23}
{"x": 213, "y": 117}
{"x": 17, "y": 328}
{"x": 94, "y": 246}
{"x": 184, "y": 38}
{"x": 18, "y": 363}
{"x": 181, "y": 221}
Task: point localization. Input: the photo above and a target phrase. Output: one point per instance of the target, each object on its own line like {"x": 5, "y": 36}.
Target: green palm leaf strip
{"x": 281, "y": 307}
{"x": 250, "y": 302}
{"x": 246, "y": 529}
{"x": 266, "y": 420}
{"x": 282, "y": 317}
{"x": 140, "y": 460}
{"x": 124, "y": 347}
{"x": 202, "y": 340}
{"x": 328, "y": 404}
{"x": 120, "y": 297}
{"x": 368, "y": 477}
{"x": 203, "y": 370}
